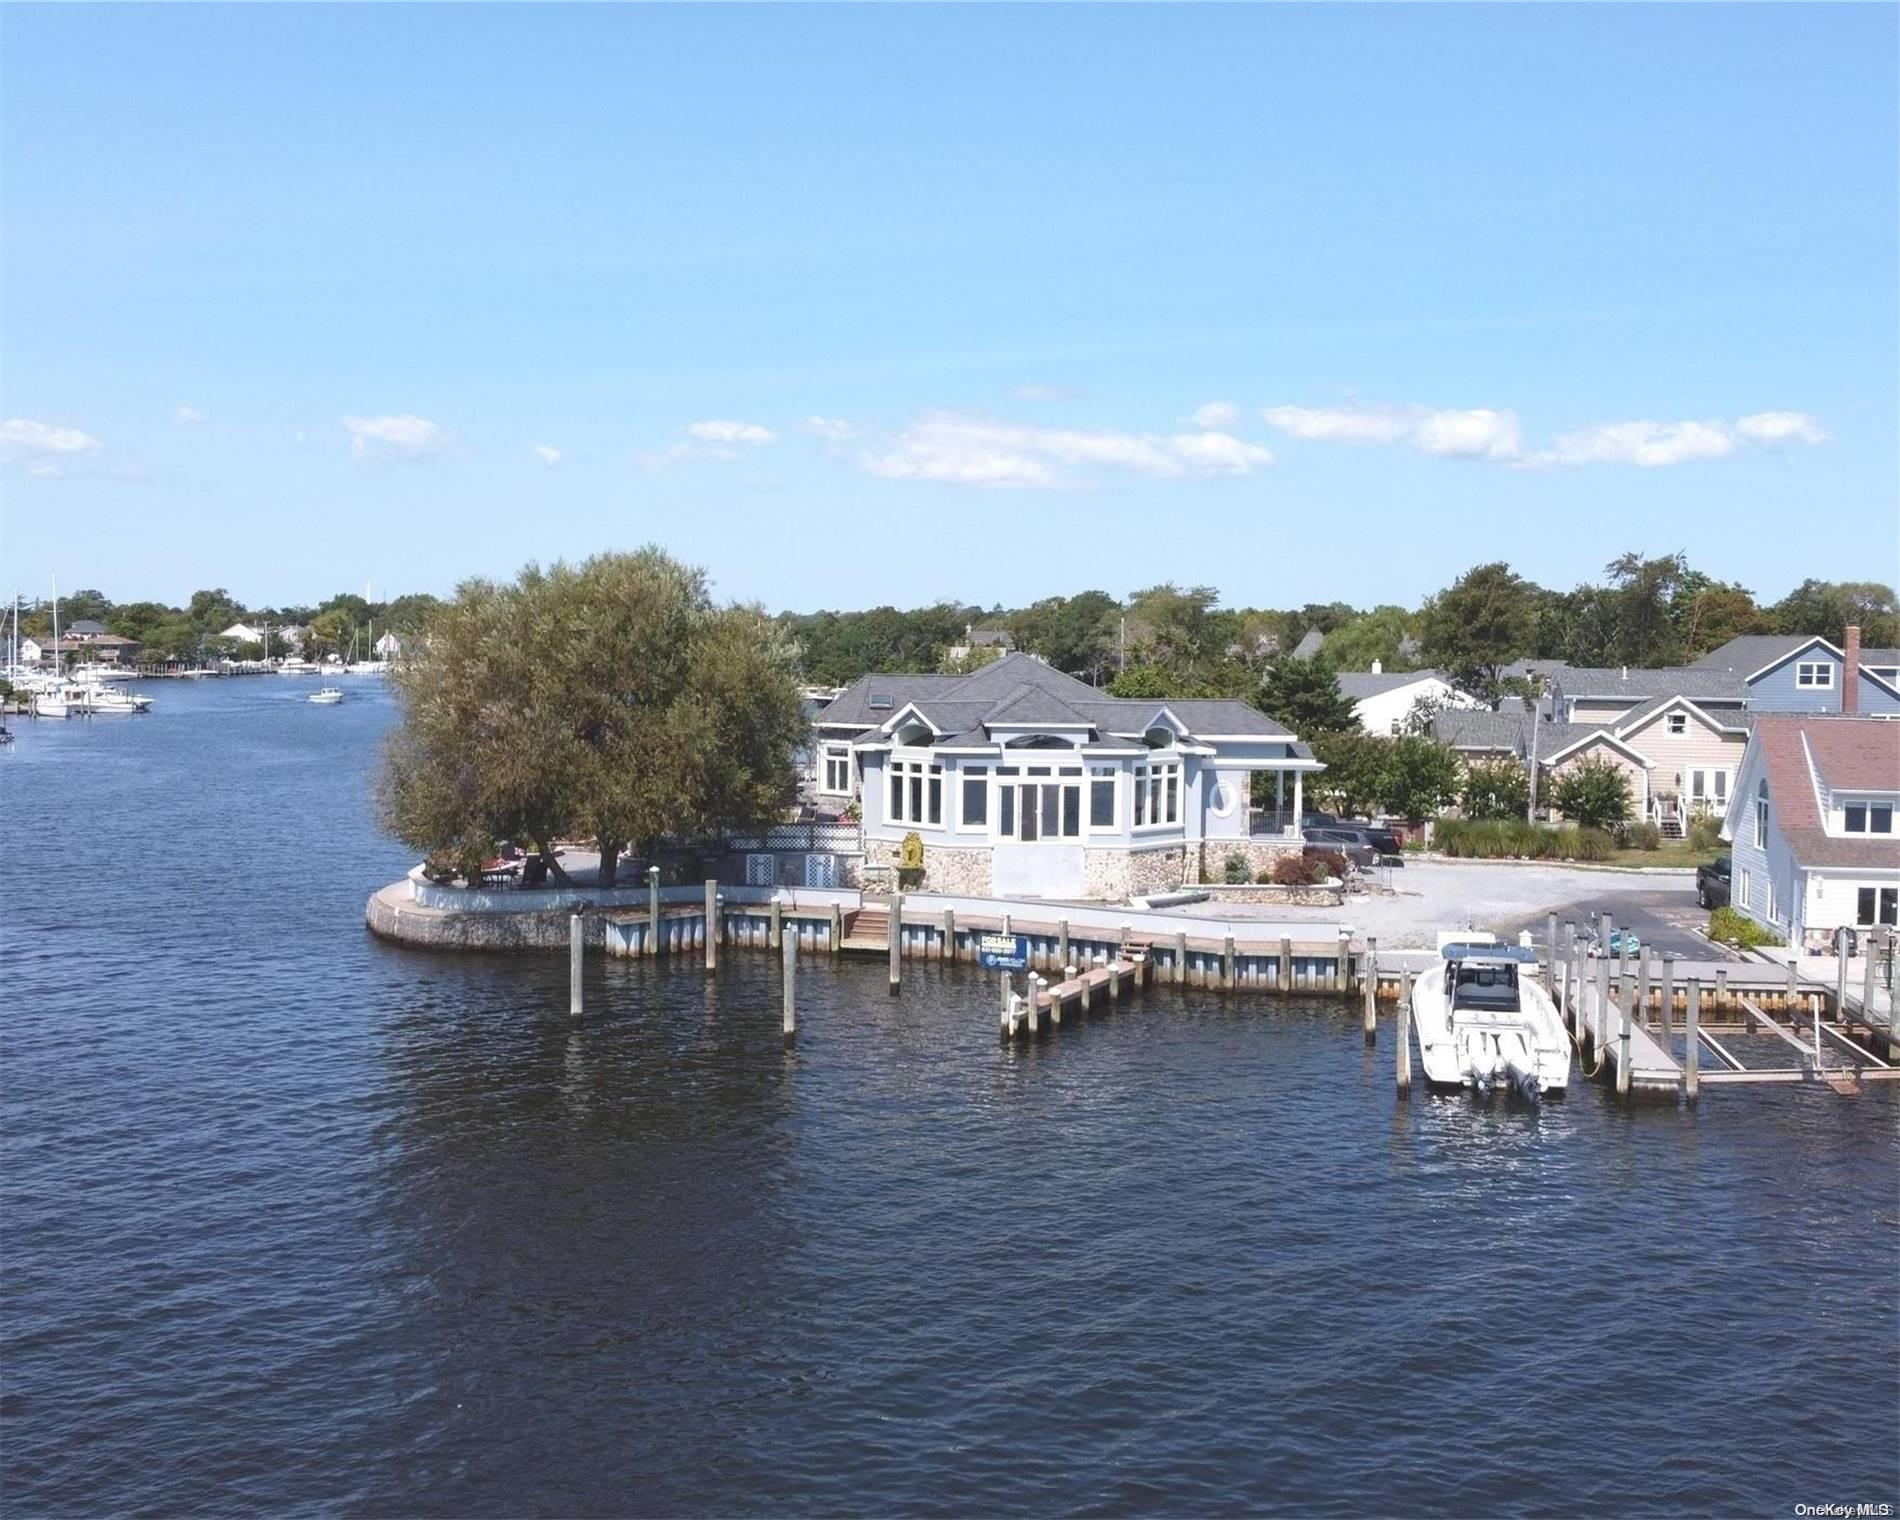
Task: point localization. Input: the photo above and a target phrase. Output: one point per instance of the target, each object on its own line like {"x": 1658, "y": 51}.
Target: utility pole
{"x": 1537, "y": 713}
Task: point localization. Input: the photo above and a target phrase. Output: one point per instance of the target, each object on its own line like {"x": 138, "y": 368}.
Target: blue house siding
{"x": 1775, "y": 690}
{"x": 1767, "y": 868}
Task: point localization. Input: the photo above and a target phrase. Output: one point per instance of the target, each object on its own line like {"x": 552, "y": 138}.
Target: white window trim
{"x": 988, "y": 825}
{"x": 1179, "y": 824}
{"x": 828, "y": 751}
{"x": 1122, "y": 800}
{"x": 1822, "y": 670}
{"x": 922, "y": 763}
{"x": 1869, "y": 804}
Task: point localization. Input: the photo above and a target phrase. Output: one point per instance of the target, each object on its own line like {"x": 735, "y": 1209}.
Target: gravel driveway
{"x": 1429, "y": 895}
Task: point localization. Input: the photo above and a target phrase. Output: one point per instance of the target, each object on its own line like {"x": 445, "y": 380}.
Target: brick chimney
{"x": 1850, "y": 672}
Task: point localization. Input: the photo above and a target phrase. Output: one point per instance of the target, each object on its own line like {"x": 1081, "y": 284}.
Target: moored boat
{"x": 1483, "y": 1020}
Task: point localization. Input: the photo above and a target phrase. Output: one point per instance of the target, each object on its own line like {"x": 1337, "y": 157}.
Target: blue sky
{"x": 856, "y": 304}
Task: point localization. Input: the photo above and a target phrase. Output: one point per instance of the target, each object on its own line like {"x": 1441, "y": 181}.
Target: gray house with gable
{"x": 1021, "y": 781}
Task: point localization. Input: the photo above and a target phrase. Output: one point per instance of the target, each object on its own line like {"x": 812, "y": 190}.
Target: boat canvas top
{"x": 1478, "y": 954}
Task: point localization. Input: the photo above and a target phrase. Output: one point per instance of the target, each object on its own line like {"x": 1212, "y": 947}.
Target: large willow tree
{"x": 611, "y": 700}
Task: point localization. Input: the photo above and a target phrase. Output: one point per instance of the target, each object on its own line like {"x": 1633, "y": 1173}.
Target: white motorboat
{"x": 364, "y": 668}
{"x": 56, "y": 699}
{"x": 99, "y": 696}
{"x": 328, "y": 696}
{"x": 293, "y": 666}
{"x": 1483, "y": 1020}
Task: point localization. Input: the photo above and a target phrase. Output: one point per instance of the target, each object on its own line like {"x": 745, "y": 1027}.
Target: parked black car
{"x": 1381, "y": 842}
{"x": 1712, "y": 882}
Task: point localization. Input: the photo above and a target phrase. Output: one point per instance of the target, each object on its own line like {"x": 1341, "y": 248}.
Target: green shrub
{"x": 1705, "y": 833}
{"x": 1594, "y": 794}
{"x": 1236, "y": 872}
{"x": 1593, "y": 844}
{"x": 1645, "y": 836}
{"x": 1728, "y": 927}
{"x": 1495, "y": 789}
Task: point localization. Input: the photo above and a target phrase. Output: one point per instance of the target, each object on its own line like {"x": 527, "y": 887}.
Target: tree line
{"x": 195, "y": 630}
{"x": 1174, "y": 640}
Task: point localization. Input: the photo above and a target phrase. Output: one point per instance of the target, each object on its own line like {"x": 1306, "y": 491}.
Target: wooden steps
{"x": 867, "y": 932}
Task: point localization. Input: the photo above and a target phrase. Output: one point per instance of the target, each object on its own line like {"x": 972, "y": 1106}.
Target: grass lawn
{"x": 1674, "y": 852}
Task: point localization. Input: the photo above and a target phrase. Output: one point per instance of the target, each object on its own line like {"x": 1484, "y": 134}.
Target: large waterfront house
{"x": 1019, "y": 780}
{"x": 1797, "y": 673}
{"x": 1812, "y": 826}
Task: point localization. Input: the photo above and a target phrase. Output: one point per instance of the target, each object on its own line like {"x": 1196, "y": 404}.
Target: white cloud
{"x": 44, "y": 448}
{"x": 1220, "y": 452}
{"x": 982, "y": 451}
{"x": 715, "y": 439}
{"x": 1484, "y": 433}
{"x": 185, "y": 416}
{"x": 1479, "y": 433}
{"x": 748, "y": 433}
{"x": 396, "y": 437}
{"x": 1641, "y": 443}
{"x": 1779, "y": 427}
{"x": 1216, "y": 414}
{"x": 548, "y": 454}
{"x": 832, "y": 428}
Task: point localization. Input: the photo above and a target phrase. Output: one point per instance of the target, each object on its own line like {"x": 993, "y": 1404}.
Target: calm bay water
{"x": 291, "y": 1220}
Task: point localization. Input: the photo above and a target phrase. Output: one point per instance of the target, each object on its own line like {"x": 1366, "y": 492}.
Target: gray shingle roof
{"x": 1728, "y": 717}
{"x": 1476, "y": 729}
{"x": 1750, "y": 652}
{"x": 1698, "y": 683}
{"x": 1309, "y": 644}
{"x": 1021, "y": 690}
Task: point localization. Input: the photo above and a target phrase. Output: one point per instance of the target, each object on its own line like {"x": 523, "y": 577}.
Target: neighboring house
{"x": 82, "y": 629}
{"x": 1604, "y": 696}
{"x": 1382, "y": 700}
{"x": 1020, "y": 780}
{"x": 1812, "y": 825}
{"x": 293, "y": 635}
{"x": 388, "y": 646}
{"x": 1681, "y": 757}
{"x": 98, "y": 648}
{"x": 1792, "y": 673}
{"x": 1478, "y": 734}
{"x": 979, "y": 638}
{"x": 243, "y": 633}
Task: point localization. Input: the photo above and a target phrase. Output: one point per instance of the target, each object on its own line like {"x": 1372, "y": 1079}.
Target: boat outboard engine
{"x": 1525, "y": 1079}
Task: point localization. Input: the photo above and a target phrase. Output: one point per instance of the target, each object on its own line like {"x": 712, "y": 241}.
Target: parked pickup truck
{"x": 1712, "y": 882}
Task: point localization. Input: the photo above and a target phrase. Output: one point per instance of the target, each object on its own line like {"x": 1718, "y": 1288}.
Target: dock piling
{"x": 653, "y": 910}
{"x": 1599, "y": 1034}
{"x": 1033, "y": 989}
{"x": 1402, "y": 1060}
{"x": 788, "y": 952}
{"x": 895, "y": 934}
{"x": 1641, "y": 1006}
{"x": 1286, "y": 965}
{"x": 575, "y": 950}
{"x": 1623, "y": 1042}
{"x": 1180, "y": 960}
{"x": 950, "y": 935}
{"x": 1342, "y": 963}
{"x": 712, "y": 925}
{"x": 1721, "y": 990}
{"x": 1227, "y": 964}
{"x": 1550, "y": 955}
{"x": 1691, "y": 1055}
{"x": 1668, "y": 997}
{"x": 837, "y": 929}
{"x": 1003, "y": 978}
{"x": 776, "y": 930}
{"x": 1062, "y": 942}
{"x": 1369, "y": 980}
